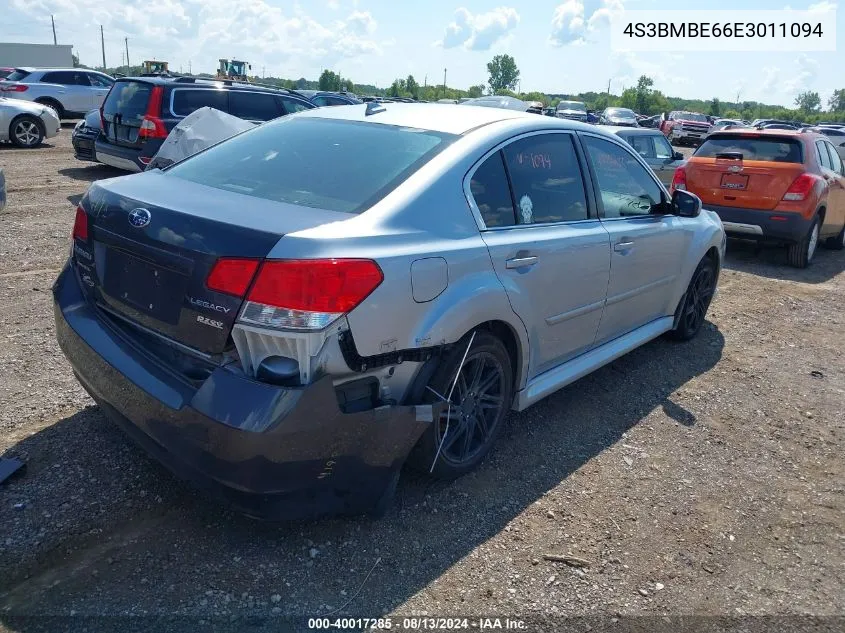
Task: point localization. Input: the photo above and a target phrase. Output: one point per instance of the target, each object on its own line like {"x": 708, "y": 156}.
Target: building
{"x": 36, "y": 55}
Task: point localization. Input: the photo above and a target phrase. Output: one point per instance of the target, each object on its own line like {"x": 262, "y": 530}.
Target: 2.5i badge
{"x": 210, "y": 322}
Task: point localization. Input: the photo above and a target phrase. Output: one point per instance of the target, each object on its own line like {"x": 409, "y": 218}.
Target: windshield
{"x": 691, "y": 116}
{"x": 328, "y": 164}
{"x": 621, "y": 113}
{"x": 571, "y": 105}
{"x": 766, "y": 148}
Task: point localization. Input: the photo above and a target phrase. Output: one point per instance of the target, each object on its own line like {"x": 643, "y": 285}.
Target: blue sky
{"x": 559, "y": 45}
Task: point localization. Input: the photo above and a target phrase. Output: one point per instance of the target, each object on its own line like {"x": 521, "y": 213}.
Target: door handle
{"x": 520, "y": 262}
{"x": 620, "y": 247}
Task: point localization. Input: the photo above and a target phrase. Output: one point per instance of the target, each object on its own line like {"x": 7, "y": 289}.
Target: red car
{"x": 685, "y": 128}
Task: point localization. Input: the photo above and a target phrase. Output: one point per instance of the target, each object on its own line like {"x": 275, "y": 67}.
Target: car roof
{"x": 33, "y": 69}
{"x": 615, "y": 129}
{"x": 206, "y": 83}
{"x": 443, "y": 118}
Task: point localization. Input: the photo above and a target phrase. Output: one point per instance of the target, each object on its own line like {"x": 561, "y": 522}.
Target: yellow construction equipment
{"x": 233, "y": 69}
{"x": 155, "y": 68}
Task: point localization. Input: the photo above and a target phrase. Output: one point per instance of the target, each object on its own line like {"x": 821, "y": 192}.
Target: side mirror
{"x": 686, "y": 204}
{"x": 678, "y": 156}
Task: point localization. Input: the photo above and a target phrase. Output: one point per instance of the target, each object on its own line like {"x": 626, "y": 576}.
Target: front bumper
{"x": 83, "y": 144}
{"x": 302, "y": 456}
{"x": 759, "y": 225}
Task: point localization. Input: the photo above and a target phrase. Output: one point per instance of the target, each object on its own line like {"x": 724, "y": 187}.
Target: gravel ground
{"x": 704, "y": 478}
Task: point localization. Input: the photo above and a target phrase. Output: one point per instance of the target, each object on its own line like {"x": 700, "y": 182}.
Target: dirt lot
{"x": 703, "y": 478}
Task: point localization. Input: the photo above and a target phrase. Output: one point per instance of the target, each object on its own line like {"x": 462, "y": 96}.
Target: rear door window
{"x": 642, "y": 144}
{"x": 294, "y": 105}
{"x": 98, "y": 81}
{"x": 546, "y": 179}
{"x": 63, "y": 78}
{"x": 253, "y": 106}
{"x": 492, "y": 194}
{"x": 835, "y": 160}
{"x": 764, "y": 148}
{"x": 824, "y": 157}
{"x": 186, "y": 100}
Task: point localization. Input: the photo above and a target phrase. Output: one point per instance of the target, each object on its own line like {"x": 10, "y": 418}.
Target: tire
{"x": 692, "y": 310}
{"x": 60, "y": 111}
{"x": 26, "y": 131}
{"x": 801, "y": 253}
{"x": 837, "y": 243}
{"x": 466, "y": 438}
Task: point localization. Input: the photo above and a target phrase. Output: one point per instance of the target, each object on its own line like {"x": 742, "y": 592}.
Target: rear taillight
{"x": 309, "y": 294}
{"x": 80, "y": 225}
{"x": 232, "y": 276}
{"x": 800, "y": 188}
{"x": 679, "y": 180}
{"x": 16, "y": 88}
{"x": 151, "y": 125}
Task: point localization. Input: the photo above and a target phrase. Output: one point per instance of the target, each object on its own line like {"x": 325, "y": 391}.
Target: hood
{"x": 692, "y": 122}
{"x": 508, "y": 103}
{"x": 572, "y": 111}
{"x": 19, "y": 106}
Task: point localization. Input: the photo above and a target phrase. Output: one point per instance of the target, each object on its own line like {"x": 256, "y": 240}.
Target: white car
{"x": 71, "y": 92}
{"x": 27, "y": 124}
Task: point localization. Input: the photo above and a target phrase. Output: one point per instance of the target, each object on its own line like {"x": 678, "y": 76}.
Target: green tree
{"x": 642, "y": 94}
{"x": 732, "y": 114}
{"x": 412, "y": 87}
{"x": 535, "y": 96}
{"x": 504, "y": 74}
{"x": 715, "y": 107}
{"x": 397, "y": 88}
{"x": 475, "y": 91}
{"x": 836, "y": 103}
{"x": 808, "y": 102}
{"x": 329, "y": 80}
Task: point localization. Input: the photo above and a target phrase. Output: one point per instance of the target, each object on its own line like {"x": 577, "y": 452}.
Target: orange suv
{"x": 777, "y": 185}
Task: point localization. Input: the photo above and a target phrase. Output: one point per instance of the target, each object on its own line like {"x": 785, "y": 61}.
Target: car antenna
{"x": 374, "y": 107}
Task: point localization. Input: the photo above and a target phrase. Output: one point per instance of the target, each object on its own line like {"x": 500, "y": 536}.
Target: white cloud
{"x": 480, "y": 31}
{"x": 603, "y": 15}
{"x": 567, "y": 23}
{"x": 822, "y": 7}
{"x": 203, "y": 30}
{"x": 628, "y": 67}
{"x": 808, "y": 69}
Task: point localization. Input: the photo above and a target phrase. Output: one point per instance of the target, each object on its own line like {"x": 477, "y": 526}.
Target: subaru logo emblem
{"x": 734, "y": 169}
{"x": 139, "y": 218}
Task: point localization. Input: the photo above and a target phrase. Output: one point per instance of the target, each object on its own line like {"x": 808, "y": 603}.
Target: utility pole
{"x": 262, "y": 72}
{"x": 54, "y": 30}
{"x": 608, "y": 88}
{"x": 425, "y": 82}
{"x": 189, "y": 67}
{"x": 126, "y": 42}
{"x": 103, "y": 45}
{"x": 444, "y": 82}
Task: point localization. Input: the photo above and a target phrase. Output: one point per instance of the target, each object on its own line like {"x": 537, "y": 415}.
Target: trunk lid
{"x": 154, "y": 239}
{"x": 123, "y": 112}
{"x": 745, "y": 171}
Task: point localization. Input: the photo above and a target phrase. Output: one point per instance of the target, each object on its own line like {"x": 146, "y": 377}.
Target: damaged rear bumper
{"x": 266, "y": 451}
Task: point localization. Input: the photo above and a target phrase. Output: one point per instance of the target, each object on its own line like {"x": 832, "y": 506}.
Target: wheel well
{"x": 822, "y": 210}
{"x": 505, "y": 333}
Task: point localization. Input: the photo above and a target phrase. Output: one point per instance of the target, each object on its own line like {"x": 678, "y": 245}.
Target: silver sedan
{"x": 27, "y": 124}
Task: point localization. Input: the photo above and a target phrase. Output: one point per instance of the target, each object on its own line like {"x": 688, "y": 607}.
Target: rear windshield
{"x": 323, "y": 163}
{"x": 17, "y": 75}
{"x": 571, "y": 105}
{"x": 768, "y": 148}
{"x": 129, "y": 99}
